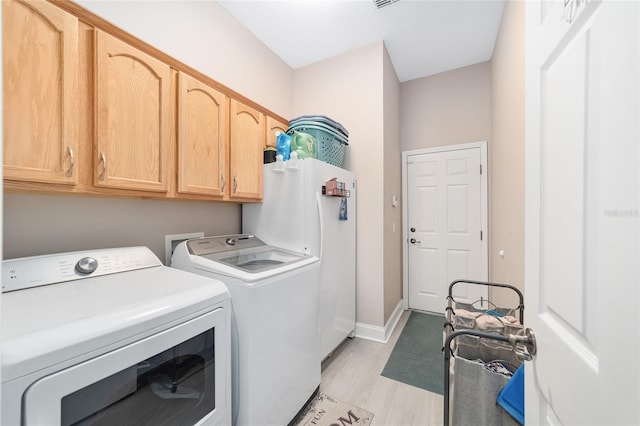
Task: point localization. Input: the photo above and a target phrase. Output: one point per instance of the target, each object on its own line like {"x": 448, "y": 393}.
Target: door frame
{"x": 484, "y": 255}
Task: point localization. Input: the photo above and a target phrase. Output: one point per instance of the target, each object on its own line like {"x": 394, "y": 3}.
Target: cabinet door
{"x": 247, "y": 142}
{"x": 40, "y": 89}
{"x": 133, "y": 117}
{"x": 202, "y": 118}
{"x": 274, "y": 126}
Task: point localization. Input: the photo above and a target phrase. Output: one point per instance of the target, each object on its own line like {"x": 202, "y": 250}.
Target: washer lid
{"x": 245, "y": 253}
{"x": 258, "y": 260}
{"x": 244, "y": 256}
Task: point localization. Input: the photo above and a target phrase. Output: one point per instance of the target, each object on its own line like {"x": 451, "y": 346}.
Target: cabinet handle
{"x": 224, "y": 182}
{"x": 235, "y": 184}
{"x": 103, "y": 159}
{"x": 72, "y": 161}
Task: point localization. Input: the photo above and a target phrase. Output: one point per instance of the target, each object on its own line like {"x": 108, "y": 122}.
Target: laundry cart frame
{"x": 522, "y": 343}
{"x": 451, "y": 300}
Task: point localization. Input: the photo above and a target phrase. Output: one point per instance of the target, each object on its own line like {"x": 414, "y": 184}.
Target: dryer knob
{"x": 86, "y": 265}
{"x": 230, "y": 241}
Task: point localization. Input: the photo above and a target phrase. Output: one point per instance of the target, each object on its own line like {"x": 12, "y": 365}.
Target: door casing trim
{"x": 484, "y": 210}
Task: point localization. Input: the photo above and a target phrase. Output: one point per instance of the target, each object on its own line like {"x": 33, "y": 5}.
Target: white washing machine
{"x": 275, "y": 303}
{"x": 113, "y": 337}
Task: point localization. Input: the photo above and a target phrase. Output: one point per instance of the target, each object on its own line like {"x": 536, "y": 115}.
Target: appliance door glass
{"x": 166, "y": 379}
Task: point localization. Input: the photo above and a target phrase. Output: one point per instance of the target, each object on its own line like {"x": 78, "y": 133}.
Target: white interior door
{"x": 445, "y": 229}
{"x": 582, "y": 232}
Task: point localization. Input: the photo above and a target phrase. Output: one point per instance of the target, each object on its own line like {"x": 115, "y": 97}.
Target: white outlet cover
{"x": 171, "y": 241}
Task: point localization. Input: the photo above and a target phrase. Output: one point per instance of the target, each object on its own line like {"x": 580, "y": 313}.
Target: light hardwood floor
{"x": 352, "y": 375}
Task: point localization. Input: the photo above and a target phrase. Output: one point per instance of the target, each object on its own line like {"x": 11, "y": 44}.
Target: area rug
{"x": 417, "y": 357}
{"x": 326, "y": 411}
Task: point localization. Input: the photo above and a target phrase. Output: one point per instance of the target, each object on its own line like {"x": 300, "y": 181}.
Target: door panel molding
{"x": 581, "y": 165}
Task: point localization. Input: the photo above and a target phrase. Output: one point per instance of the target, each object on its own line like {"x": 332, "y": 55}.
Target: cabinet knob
{"x": 235, "y": 184}
{"x": 224, "y": 182}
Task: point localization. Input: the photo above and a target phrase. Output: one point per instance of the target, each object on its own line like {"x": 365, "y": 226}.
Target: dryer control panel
{"x": 27, "y": 272}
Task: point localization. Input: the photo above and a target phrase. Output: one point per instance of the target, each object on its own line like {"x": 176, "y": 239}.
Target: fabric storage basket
{"x": 330, "y": 146}
{"x": 475, "y": 388}
{"x": 475, "y": 392}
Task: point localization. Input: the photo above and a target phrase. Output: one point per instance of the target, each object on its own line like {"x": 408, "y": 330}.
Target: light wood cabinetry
{"x": 247, "y": 140}
{"x": 132, "y": 117}
{"x": 202, "y": 130}
{"x": 90, "y": 109}
{"x": 40, "y": 91}
{"x": 273, "y": 126}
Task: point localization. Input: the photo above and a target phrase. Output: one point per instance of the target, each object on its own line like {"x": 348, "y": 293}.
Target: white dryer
{"x": 275, "y": 322}
{"x": 112, "y": 336}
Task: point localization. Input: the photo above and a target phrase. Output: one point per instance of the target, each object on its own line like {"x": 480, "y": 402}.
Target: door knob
{"x": 413, "y": 229}
{"x": 414, "y": 241}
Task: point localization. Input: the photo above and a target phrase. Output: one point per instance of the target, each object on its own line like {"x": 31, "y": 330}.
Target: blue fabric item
{"x": 494, "y": 313}
{"x": 511, "y": 397}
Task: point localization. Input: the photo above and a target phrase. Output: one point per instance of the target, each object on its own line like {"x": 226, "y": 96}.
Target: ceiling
{"x": 423, "y": 37}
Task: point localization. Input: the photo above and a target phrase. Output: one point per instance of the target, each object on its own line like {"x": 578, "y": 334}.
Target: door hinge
{"x": 480, "y": 168}
{"x": 480, "y": 235}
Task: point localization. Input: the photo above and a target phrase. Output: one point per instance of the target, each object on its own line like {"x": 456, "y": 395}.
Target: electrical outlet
{"x": 171, "y": 241}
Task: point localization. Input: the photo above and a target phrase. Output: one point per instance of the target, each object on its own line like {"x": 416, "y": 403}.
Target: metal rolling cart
{"x": 487, "y": 347}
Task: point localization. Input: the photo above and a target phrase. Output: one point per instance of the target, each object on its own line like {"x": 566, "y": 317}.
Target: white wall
{"x": 349, "y": 89}
{"x": 506, "y": 153}
{"x": 449, "y": 108}
{"x": 392, "y": 223}
{"x": 41, "y": 224}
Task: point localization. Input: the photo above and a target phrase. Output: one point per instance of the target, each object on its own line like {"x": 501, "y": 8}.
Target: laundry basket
{"x": 482, "y": 352}
{"x": 330, "y": 146}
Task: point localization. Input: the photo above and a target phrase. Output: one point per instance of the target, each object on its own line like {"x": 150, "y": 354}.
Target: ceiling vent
{"x": 382, "y": 3}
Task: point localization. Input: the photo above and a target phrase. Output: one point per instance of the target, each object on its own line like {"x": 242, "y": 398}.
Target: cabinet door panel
{"x": 40, "y": 90}
{"x": 274, "y": 126}
{"x": 202, "y": 118}
{"x": 247, "y": 142}
{"x": 132, "y": 117}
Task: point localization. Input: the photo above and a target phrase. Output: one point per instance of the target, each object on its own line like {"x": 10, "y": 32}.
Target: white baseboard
{"x": 377, "y": 333}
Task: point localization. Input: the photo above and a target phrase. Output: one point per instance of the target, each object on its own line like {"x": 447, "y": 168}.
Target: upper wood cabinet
{"x": 247, "y": 143}
{"x": 202, "y": 124}
{"x": 40, "y": 73}
{"x": 90, "y": 109}
{"x": 274, "y": 126}
{"x": 132, "y": 117}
